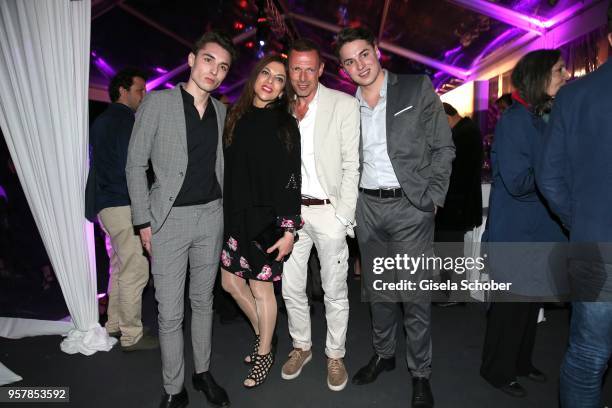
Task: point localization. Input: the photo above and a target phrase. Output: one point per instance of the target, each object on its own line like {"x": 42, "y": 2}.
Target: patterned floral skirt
{"x": 245, "y": 260}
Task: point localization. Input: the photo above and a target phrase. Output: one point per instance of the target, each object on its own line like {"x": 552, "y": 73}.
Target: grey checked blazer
{"x": 160, "y": 135}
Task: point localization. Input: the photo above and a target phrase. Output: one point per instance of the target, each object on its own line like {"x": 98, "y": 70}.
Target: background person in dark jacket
{"x": 462, "y": 209}
{"x": 574, "y": 175}
{"x": 110, "y": 136}
{"x": 519, "y": 217}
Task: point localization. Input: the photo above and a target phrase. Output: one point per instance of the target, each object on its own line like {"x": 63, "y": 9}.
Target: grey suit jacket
{"x": 160, "y": 135}
{"x": 419, "y": 140}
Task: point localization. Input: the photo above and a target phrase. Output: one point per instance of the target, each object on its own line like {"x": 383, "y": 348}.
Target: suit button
{"x": 171, "y": 198}
{"x": 181, "y": 174}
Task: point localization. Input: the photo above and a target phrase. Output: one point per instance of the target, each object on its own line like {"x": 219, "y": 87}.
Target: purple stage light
{"x": 564, "y": 15}
{"x": 452, "y": 52}
{"x": 493, "y": 44}
{"x": 162, "y": 79}
{"x": 546, "y": 25}
{"x": 161, "y": 70}
{"x": 169, "y": 85}
{"x": 104, "y": 67}
{"x": 525, "y": 22}
{"x": 503, "y": 14}
{"x": 450, "y": 69}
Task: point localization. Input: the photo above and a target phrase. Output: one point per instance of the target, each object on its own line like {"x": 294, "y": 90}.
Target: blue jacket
{"x": 518, "y": 213}
{"x": 575, "y": 170}
{"x": 517, "y": 210}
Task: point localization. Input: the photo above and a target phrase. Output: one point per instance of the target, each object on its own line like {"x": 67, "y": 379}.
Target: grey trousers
{"x": 191, "y": 234}
{"x": 393, "y": 225}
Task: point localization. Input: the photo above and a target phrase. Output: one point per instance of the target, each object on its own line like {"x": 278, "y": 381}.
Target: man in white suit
{"x": 329, "y": 128}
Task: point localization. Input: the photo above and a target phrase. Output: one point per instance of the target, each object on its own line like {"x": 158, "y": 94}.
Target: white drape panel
{"x": 15, "y": 328}
{"x": 44, "y": 71}
{"x": 7, "y": 376}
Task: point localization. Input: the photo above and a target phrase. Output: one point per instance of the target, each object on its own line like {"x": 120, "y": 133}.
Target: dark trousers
{"x": 449, "y": 243}
{"x": 509, "y": 340}
{"x": 388, "y": 226}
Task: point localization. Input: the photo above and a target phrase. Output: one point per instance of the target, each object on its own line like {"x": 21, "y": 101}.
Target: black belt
{"x": 314, "y": 201}
{"x": 383, "y": 192}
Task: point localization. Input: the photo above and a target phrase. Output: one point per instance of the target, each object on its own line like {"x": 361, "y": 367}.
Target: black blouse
{"x": 262, "y": 182}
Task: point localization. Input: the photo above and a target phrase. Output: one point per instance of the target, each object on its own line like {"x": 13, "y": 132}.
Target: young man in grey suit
{"x": 406, "y": 155}
{"x": 180, "y": 217}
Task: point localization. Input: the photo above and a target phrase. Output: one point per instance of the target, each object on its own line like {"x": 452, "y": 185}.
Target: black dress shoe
{"x": 179, "y": 400}
{"x": 370, "y": 372}
{"x": 536, "y": 375}
{"x": 421, "y": 393}
{"x": 514, "y": 389}
{"x": 215, "y": 395}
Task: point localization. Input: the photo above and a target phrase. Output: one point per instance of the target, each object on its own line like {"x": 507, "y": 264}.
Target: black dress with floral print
{"x": 261, "y": 187}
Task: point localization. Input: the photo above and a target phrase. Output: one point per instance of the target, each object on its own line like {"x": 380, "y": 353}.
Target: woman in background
{"x": 519, "y": 214}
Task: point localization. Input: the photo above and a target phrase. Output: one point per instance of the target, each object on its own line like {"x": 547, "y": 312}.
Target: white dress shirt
{"x": 377, "y": 169}
{"x": 311, "y": 187}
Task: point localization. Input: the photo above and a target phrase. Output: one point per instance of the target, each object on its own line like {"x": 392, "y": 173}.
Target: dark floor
{"x": 116, "y": 379}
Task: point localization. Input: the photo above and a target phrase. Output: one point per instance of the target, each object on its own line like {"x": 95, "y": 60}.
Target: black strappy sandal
{"x": 260, "y": 369}
{"x": 251, "y": 357}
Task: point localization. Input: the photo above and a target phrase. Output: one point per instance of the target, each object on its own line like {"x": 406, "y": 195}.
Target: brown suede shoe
{"x": 337, "y": 376}
{"x": 297, "y": 359}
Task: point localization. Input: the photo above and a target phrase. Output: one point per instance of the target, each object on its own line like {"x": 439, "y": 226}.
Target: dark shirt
{"x": 110, "y": 136}
{"x": 200, "y": 185}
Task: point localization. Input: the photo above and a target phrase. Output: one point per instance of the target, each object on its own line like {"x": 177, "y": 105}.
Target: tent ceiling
{"x": 441, "y": 38}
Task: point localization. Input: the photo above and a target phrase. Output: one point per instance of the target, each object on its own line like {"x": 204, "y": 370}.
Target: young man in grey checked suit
{"x": 406, "y": 155}
{"x": 180, "y": 218}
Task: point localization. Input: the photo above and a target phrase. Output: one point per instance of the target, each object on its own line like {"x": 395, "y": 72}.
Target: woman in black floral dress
{"x": 261, "y": 202}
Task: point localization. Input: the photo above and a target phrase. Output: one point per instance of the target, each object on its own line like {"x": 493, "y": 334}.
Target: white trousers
{"x": 321, "y": 228}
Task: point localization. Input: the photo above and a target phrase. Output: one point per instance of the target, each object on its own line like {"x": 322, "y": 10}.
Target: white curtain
{"x": 7, "y": 376}
{"x": 44, "y": 71}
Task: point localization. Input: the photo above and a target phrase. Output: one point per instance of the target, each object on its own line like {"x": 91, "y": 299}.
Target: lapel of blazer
{"x": 177, "y": 110}
{"x": 220, "y": 120}
{"x": 322, "y": 120}
{"x": 220, "y": 126}
{"x": 393, "y": 96}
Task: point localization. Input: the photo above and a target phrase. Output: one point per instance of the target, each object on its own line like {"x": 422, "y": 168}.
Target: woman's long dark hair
{"x": 531, "y": 77}
{"x": 245, "y": 103}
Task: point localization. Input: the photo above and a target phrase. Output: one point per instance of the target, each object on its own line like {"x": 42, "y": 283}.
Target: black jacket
{"x": 463, "y": 206}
